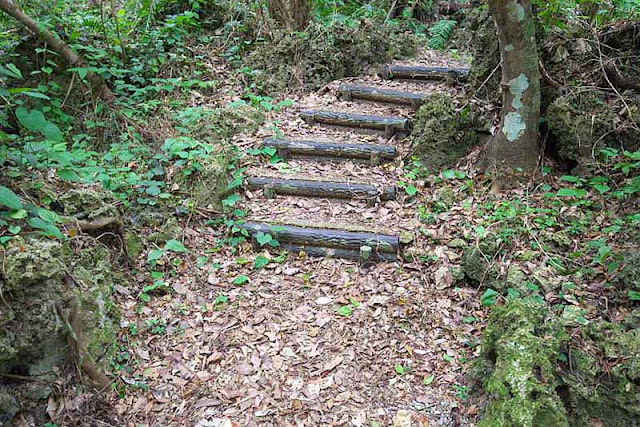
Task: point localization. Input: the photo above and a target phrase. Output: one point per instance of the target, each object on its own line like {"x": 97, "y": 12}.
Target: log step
{"x": 318, "y": 241}
{"x": 373, "y": 153}
{"x": 422, "y": 73}
{"x": 350, "y": 92}
{"x": 390, "y": 125}
{"x": 351, "y": 254}
{"x": 328, "y": 189}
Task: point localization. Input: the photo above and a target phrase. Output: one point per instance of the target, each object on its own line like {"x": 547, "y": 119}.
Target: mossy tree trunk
{"x": 293, "y": 15}
{"x": 515, "y": 145}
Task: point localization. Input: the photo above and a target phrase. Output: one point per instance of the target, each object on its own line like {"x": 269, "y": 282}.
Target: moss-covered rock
{"x": 604, "y": 377}
{"x": 517, "y": 366}
{"x": 88, "y": 203}
{"x": 207, "y": 184}
{"x": 629, "y": 276}
{"x": 441, "y": 135}
{"x": 42, "y": 280}
{"x": 313, "y": 58}
{"x": 478, "y": 266}
{"x": 479, "y": 37}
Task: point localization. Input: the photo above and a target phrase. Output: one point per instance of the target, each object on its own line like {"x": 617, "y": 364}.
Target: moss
{"x": 604, "y": 376}
{"x": 208, "y": 185}
{"x": 41, "y": 276}
{"x": 133, "y": 244}
{"x": 629, "y": 275}
{"x": 579, "y": 121}
{"x": 483, "y": 44}
{"x": 477, "y": 263}
{"x": 517, "y": 365}
{"x": 441, "y": 135}
{"x": 88, "y": 203}
{"x": 320, "y": 55}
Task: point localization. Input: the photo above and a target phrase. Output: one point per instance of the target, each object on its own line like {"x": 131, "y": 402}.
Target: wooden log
{"x": 350, "y": 92}
{"x": 351, "y": 254}
{"x": 331, "y": 149}
{"x": 422, "y": 73}
{"x": 390, "y": 125}
{"x": 328, "y": 189}
{"x": 326, "y": 237}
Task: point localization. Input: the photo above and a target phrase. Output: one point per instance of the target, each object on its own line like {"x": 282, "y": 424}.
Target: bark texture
{"x": 96, "y": 83}
{"x": 516, "y": 142}
{"x": 293, "y": 15}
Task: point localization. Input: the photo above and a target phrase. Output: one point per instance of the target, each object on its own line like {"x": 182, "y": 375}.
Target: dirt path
{"x": 307, "y": 341}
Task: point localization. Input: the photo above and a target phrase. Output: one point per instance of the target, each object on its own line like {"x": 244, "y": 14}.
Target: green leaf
{"x": 240, "y": 280}
{"x": 32, "y": 120}
{"x": 154, "y": 255}
{"x": 602, "y": 188}
{"x": 11, "y": 71}
{"x": 51, "y": 132}
{"x": 345, "y": 310}
{"x": 68, "y": 175}
{"x": 48, "y": 216}
{"x": 260, "y": 261}
{"x": 489, "y": 297}
{"x": 9, "y": 199}
{"x": 263, "y": 238}
{"x": 18, "y": 214}
{"x": 634, "y": 295}
{"x": 572, "y": 192}
{"x": 47, "y": 229}
{"x": 411, "y": 190}
{"x": 428, "y": 380}
{"x": 400, "y": 370}
{"x": 175, "y": 246}
{"x": 14, "y": 229}
{"x": 36, "y": 95}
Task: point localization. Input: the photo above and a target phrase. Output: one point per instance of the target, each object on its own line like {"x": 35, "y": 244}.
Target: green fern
{"x": 440, "y": 32}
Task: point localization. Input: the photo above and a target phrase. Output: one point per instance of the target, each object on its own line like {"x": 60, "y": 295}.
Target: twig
{"x": 547, "y": 77}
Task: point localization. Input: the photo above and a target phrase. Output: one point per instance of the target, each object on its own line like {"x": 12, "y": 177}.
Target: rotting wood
{"x": 328, "y": 189}
{"x": 351, "y": 254}
{"x": 287, "y": 148}
{"x": 350, "y": 92}
{"x": 327, "y": 238}
{"x": 390, "y": 125}
{"x": 417, "y": 72}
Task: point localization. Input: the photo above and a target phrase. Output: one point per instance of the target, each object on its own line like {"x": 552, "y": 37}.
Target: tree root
{"x": 76, "y": 341}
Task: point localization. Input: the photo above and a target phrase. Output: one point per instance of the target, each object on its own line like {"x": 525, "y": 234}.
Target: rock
{"x": 517, "y": 366}
{"x": 441, "y": 135}
{"x": 9, "y": 407}
{"x": 457, "y": 243}
{"x": 42, "y": 277}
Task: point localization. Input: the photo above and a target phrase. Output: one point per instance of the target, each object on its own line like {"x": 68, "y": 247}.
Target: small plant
{"x": 440, "y": 32}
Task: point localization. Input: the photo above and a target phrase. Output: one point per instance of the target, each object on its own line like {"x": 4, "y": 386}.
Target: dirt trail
{"x": 309, "y": 341}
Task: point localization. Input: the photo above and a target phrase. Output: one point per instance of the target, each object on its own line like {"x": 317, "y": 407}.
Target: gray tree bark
{"x": 515, "y": 145}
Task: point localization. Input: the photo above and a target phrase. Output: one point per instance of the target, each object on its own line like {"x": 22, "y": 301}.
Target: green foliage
{"x": 440, "y": 32}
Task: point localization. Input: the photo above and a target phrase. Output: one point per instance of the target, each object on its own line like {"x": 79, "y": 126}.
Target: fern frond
{"x": 440, "y": 32}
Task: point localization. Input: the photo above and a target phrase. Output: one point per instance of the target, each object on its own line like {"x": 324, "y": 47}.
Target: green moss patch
{"x": 441, "y": 135}
{"x": 517, "y": 365}
{"x": 320, "y": 55}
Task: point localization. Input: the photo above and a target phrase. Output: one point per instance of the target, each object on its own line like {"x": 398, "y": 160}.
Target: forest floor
{"x": 305, "y": 341}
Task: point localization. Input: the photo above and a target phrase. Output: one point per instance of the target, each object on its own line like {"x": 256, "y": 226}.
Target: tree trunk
{"x": 515, "y": 145}
{"x": 293, "y": 15}
{"x": 96, "y": 83}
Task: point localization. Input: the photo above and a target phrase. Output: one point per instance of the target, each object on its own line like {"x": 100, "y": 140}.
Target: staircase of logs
{"x": 335, "y": 242}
